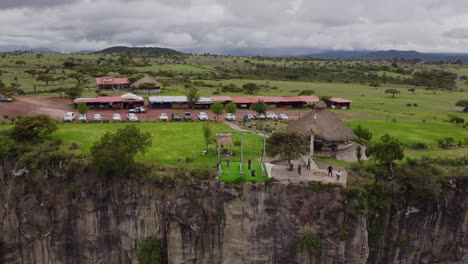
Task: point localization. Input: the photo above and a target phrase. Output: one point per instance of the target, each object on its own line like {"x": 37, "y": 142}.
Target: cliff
{"x": 63, "y": 218}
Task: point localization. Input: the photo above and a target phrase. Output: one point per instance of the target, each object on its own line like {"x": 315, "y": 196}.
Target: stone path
{"x": 282, "y": 174}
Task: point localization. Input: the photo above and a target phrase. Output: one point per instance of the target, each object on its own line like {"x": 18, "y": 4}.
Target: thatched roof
{"x": 224, "y": 139}
{"x": 146, "y": 79}
{"x": 323, "y": 124}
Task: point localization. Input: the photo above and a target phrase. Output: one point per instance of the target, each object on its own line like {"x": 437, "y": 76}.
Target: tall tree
{"x": 43, "y": 77}
{"x": 77, "y": 76}
{"x": 82, "y": 108}
{"x": 207, "y": 134}
{"x": 259, "y": 107}
{"x": 114, "y": 154}
{"x": 231, "y": 108}
{"x": 386, "y": 151}
{"x": 74, "y": 92}
{"x": 33, "y": 128}
{"x": 193, "y": 96}
{"x": 33, "y": 73}
{"x": 392, "y": 91}
{"x": 217, "y": 109}
{"x": 288, "y": 145}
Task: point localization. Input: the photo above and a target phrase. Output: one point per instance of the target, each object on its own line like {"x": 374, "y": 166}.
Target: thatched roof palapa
{"x": 146, "y": 79}
{"x": 323, "y": 124}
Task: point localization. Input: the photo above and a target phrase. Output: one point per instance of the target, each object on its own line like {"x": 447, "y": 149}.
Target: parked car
{"x": 249, "y": 117}
{"x": 187, "y": 116}
{"x": 175, "y": 117}
{"x": 271, "y": 115}
{"x": 83, "y": 117}
{"x": 230, "y": 117}
{"x": 137, "y": 110}
{"x": 70, "y": 116}
{"x": 97, "y": 117}
{"x": 163, "y": 117}
{"x": 116, "y": 118}
{"x": 283, "y": 117}
{"x": 132, "y": 117}
{"x": 261, "y": 116}
{"x": 4, "y": 98}
{"x": 202, "y": 116}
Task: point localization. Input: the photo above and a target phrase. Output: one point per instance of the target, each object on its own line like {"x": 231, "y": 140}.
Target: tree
{"x": 74, "y": 92}
{"x": 33, "y": 128}
{"x": 392, "y": 91}
{"x": 362, "y": 132}
{"x": 114, "y": 154}
{"x": 20, "y": 63}
{"x": 359, "y": 153}
{"x": 463, "y": 103}
{"x": 43, "y": 77}
{"x": 207, "y": 134}
{"x": 231, "y": 108}
{"x": 193, "y": 96}
{"x": 217, "y": 109}
{"x": 33, "y": 73}
{"x": 82, "y": 108}
{"x": 148, "y": 86}
{"x": 411, "y": 90}
{"x": 77, "y": 76}
{"x": 250, "y": 88}
{"x": 259, "y": 107}
{"x": 435, "y": 79}
{"x": 288, "y": 145}
{"x": 386, "y": 151}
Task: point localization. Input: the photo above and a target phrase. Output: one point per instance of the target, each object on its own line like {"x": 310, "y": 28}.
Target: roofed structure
{"x": 322, "y": 125}
{"x": 146, "y": 79}
{"x": 224, "y": 139}
{"x": 112, "y": 82}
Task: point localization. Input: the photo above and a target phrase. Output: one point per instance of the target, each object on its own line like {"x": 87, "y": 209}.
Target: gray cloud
{"x": 223, "y": 24}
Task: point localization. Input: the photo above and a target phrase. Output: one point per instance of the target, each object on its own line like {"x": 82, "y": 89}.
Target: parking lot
{"x": 58, "y": 107}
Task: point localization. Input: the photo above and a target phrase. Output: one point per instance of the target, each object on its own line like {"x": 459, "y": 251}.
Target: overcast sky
{"x": 211, "y": 25}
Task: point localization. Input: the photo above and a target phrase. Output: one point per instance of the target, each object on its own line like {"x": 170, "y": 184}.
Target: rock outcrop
{"x": 76, "y": 219}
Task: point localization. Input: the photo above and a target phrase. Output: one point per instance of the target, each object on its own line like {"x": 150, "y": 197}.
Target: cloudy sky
{"x": 214, "y": 25}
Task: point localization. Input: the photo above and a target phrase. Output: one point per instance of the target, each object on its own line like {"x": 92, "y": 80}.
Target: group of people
{"x": 249, "y": 163}
{"x": 329, "y": 169}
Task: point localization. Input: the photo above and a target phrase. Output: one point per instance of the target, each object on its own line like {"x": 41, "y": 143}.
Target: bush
{"x": 415, "y": 105}
{"x": 33, "y": 128}
{"x": 362, "y": 132}
{"x": 408, "y": 104}
{"x": 456, "y": 119}
{"x": 74, "y": 145}
{"x": 149, "y": 250}
{"x": 445, "y": 142}
{"x": 309, "y": 242}
{"x": 419, "y": 145}
{"x": 307, "y": 92}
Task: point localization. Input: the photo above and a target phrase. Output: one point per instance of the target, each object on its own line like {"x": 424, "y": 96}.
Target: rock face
{"x": 75, "y": 219}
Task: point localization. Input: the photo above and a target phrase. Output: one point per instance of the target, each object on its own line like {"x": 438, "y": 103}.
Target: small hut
{"x": 147, "y": 85}
{"x": 327, "y": 133}
{"x": 224, "y": 140}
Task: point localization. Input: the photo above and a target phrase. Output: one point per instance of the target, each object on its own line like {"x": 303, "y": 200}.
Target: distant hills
{"x": 390, "y": 55}
{"x": 153, "y": 51}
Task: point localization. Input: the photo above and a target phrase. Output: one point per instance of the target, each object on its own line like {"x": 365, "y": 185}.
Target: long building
{"x": 277, "y": 102}
{"x": 176, "y": 102}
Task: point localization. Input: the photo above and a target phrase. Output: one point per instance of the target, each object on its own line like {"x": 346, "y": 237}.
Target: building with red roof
{"x": 108, "y": 82}
{"x": 339, "y": 103}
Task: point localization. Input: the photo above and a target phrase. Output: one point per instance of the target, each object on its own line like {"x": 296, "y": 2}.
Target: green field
{"x": 231, "y": 173}
{"x": 178, "y": 144}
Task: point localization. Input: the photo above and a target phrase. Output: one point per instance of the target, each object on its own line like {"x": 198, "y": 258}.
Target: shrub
{"x": 149, "y": 250}
{"x": 74, "y": 145}
{"x": 445, "y": 142}
{"x": 362, "y": 132}
{"x": 309, "y": 242}
{"x": 419, "y": 145}
{"x": 415, "y": 105}
{"x": 307, "y": 92}
{"x": 456, "y": 119}
{"x": 408, "y": 104}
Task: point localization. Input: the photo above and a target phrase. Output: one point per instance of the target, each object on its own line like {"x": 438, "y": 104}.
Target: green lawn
{"x": 174, "y": 143}
{"x": 232, "y": 173}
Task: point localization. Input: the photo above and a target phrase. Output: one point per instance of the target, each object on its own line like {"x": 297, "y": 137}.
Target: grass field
{"x": 232, "y": 173}
{"x": 178, "y": 143}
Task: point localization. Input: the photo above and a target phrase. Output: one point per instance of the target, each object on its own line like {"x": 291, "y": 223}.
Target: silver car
{"x": 116, "y": 118}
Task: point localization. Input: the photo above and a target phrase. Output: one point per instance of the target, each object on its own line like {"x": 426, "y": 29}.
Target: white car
{"x": 97, "y": 117}
{"x": 116, "y": 117}
{"x": 202, "y": 116}
{"x": 230, "y": 117}
{"x": 83, "y": 118}
{"x": 163, "y": 117}
{"x": 138, "y": 109}
{"x": 70, "y": 116}
{"x": 283, "y": 117}
{"x": 132, "y": 117}
{"x": 271, "y": 115}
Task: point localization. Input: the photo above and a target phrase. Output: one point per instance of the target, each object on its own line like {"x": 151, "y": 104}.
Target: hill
{"x": 153, "y": 51}
{"x": 392, "y": 54}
